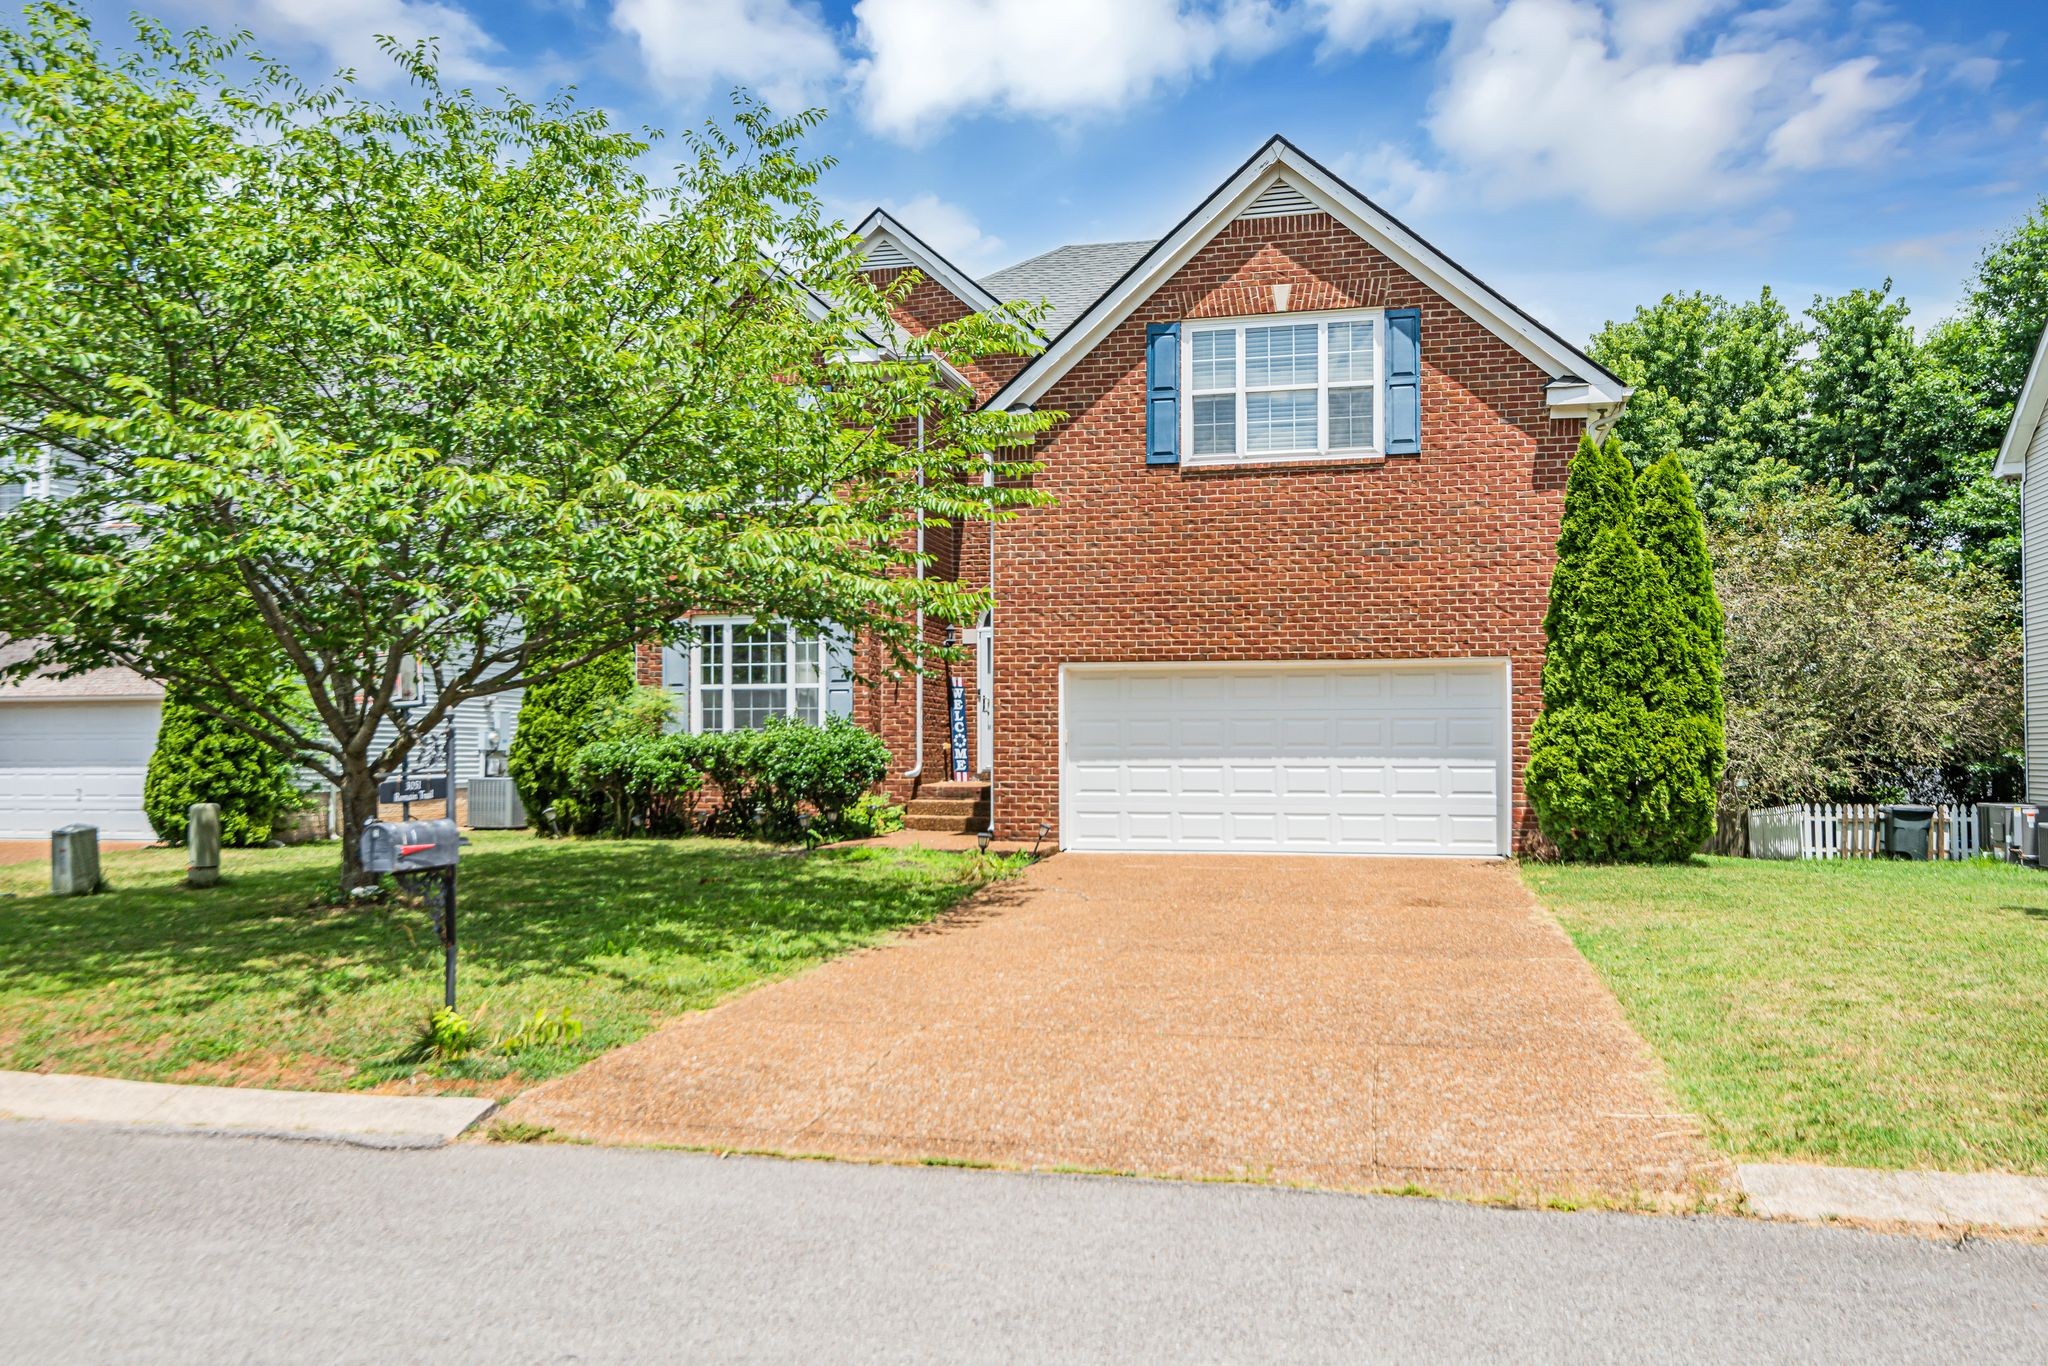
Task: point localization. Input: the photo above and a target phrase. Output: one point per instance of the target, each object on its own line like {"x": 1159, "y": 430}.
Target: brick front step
{"x": 951, "y": 825}
{"x": 953, "y": 792}
{"x": 938, "y": 806}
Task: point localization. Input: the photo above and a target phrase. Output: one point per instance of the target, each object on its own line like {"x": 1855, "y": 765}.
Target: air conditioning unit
{"x": 494, "y": 805}
{"x": 75, "y": 860}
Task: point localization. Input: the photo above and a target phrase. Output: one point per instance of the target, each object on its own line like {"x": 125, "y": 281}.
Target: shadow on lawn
{"x": 526, "y": 910}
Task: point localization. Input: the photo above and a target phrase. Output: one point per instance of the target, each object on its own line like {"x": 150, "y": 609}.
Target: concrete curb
{"x": 367, "y": 1121}
{"x": 1982, "y": 1199}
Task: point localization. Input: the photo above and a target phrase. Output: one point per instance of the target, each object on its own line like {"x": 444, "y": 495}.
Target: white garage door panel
{"x": 66, "y": 762}
{"x": 1383, "y": 759}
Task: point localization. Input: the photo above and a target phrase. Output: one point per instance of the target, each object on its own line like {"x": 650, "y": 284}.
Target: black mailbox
{"x": 410, "y": 846}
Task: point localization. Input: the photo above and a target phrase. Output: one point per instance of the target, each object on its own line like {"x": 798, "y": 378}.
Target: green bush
{"x": 822, "y": 770}
{"x": 556, "y": 719}
{"x": 638, "y": 783}
{"x": 200, "y": 758}
{"x": 769, "y": 781}
{"x": 1624, "y": 758}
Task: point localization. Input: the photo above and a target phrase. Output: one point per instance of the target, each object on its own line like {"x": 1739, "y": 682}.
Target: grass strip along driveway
{"x": 259, "y": 982}
{"x": 1861, "y": 1013}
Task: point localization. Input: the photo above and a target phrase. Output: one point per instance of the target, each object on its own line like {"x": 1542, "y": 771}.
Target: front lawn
{"x": 1855, "y": 1012}
{"x": 257, "y": 982}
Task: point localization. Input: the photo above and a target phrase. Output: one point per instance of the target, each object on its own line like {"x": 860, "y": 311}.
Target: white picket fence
{"x": 1851, "y": 830}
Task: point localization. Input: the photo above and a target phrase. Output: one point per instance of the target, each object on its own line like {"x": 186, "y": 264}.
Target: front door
{"x": 984, "y": 695}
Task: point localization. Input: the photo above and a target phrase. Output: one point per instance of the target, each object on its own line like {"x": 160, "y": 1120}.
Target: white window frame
{"x": 791, "y": 688}
{"x": 1243, "y": 455}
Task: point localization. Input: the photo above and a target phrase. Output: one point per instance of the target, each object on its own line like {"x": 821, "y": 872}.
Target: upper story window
{"x": 746, "y": 674}
{"x": 1283, "y": 387}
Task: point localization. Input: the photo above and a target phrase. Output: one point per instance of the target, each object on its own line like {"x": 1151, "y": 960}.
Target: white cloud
{"x": 930, "y": 60}
{"x": 346, "y": 32}
{"x": 1395, "y": 179}
{"x": 949, "y": 230}
{"x": 780, "y": 49}
{"x": 1546, "y": 102}
{"x": 1360, "y": 23}
{"x": 1840, "y": 127}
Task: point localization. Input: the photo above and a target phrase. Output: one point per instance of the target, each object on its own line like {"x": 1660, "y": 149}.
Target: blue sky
{"x": 1583, "y": 156}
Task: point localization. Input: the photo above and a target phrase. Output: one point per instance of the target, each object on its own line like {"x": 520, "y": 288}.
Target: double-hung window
{"x": 1283, "y": 387}
{"x": 746, "y": 674}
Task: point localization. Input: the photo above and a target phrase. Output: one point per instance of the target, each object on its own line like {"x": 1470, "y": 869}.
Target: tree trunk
{"x": 358, "y": 809}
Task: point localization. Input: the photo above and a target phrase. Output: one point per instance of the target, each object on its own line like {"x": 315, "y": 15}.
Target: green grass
{"x": 259, "y": 982}
{"x": 1859, "y": 1013}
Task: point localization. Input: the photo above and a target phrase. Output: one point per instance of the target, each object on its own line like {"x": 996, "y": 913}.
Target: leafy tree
{"x": 448, "y": 379}
{"x": 557, "y": 717}
{"x": 1860, "y": 382}
{"x": 1619, "y": 761}
{"x": 1717, "y": 380}
{"x": 199, "y": 759}
{"x": 1857, "y": 667}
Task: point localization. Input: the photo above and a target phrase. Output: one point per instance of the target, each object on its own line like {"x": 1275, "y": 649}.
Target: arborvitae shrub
{"x": 556, "y": 719}
{"x": 200, "y": 758}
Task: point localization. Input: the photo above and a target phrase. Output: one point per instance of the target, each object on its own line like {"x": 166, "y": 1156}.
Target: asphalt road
{"x": 132, "y": 1247}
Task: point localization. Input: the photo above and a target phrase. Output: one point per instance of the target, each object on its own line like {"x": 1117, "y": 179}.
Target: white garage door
{"x": 1328, "y": 759}
{"x": 62, "y": 762}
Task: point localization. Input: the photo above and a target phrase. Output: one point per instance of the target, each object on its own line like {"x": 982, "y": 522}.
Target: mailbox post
{"x": 418, "y": 852}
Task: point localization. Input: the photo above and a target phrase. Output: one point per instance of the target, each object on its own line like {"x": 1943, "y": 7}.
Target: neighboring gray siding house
{"x": 2024, "y": 456}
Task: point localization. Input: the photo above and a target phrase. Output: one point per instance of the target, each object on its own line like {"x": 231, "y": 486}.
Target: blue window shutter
{"x": 1404, "y": 381}
{"x": 1162, "y": 393}
{"x": 838, "y": 673}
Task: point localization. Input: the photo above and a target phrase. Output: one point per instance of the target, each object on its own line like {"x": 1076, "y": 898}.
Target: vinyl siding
{"x": 2034, "y": 582}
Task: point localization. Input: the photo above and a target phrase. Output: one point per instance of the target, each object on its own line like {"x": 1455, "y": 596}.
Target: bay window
{"x": 1283, "y": 386}
{"x": 745, "y": 674}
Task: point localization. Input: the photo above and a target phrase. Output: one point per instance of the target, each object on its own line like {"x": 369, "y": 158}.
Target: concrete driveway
{"x": 1353, "y": 1023}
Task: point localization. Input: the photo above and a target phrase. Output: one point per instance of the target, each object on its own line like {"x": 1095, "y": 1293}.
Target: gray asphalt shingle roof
{"x": 1069, "y": 278}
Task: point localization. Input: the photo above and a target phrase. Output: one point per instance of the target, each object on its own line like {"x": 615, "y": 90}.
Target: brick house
{"x": 1290, "y": 595}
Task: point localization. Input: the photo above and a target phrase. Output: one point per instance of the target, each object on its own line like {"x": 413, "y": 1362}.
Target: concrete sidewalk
{"x": 1785, "y": 1190}
{"x": 368, "y": 1121}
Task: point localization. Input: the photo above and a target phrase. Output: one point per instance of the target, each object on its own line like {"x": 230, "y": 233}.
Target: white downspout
{"x": 916, "y": 770}
{"x": 988, "y": 638}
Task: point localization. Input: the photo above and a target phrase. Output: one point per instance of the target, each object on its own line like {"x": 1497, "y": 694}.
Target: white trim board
{"x": 2026, "y": 416}
{"x": 881, "y": 226}
{"x": 1596, "y": 396}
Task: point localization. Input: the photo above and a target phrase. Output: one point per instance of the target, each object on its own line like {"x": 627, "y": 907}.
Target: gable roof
{"x": 889, "y": 245}
{"x": 2026, "y": 416}
{"x": 1068, "y": 278}
{"x": 1596, "y": 391}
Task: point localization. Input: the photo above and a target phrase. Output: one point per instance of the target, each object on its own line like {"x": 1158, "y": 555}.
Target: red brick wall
{"x": 1445, "y": 554}
{"x": 929, "y": 305}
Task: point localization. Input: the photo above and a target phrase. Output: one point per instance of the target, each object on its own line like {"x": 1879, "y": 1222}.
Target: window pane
{"x": 1350, "y": 419}
{"x": 1280, "y": 355}
{"x": 1281, "y": 422}
{"x": 1215, "y": 360}
{"x": 807, "y": 705}
{"x": 807, "y": 663}
{"x": 711, "y": 654}
{"x": 751, "y": 707}
{"x": 1216, "y": 425}
{"x": 1350, "y": 353}
{"x": 713, "y": 705}
{"x": 759, "y": 656}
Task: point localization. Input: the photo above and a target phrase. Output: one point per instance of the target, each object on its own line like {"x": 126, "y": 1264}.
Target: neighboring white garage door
{"x": 1322, "y": 759}
{"x": 62, "y": 762}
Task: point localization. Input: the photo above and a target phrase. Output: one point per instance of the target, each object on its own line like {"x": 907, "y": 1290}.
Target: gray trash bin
{"x": 1908, "y": 831}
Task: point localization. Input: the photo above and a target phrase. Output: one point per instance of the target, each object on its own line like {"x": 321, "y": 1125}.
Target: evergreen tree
{"x": 1619, "y": 760}
{"x": 1672, "y": 532}
{"x": 556, "y": 718}
{"x": 201, "y": 758}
